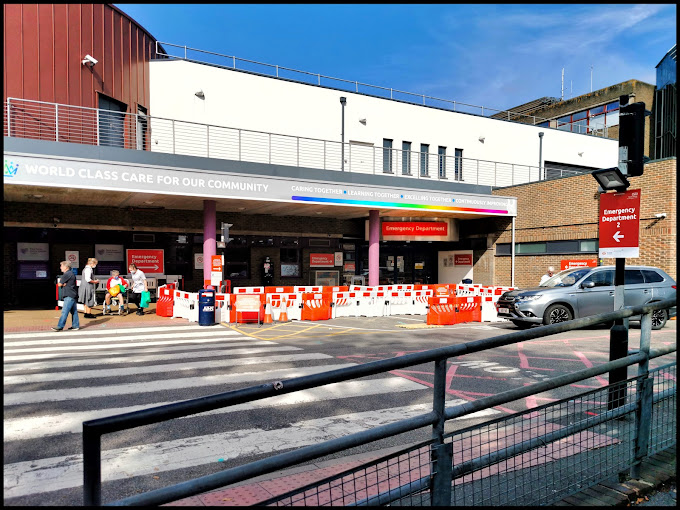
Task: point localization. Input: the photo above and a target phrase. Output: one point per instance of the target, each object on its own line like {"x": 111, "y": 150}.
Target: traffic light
{"x": 225, "y": 233}
{"x": 632, "y": 138}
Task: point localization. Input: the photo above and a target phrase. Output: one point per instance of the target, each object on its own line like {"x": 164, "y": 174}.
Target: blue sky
{"x": 497, "y": 56}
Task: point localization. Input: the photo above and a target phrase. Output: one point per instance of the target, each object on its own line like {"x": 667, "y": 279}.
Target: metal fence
{"x": 74, "y": 124}
{"x": 230, "y": 61}
{"x": 583, "y": 439}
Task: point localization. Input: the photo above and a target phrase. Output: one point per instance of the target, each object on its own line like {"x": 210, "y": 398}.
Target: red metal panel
{"x": 98, "y": 48}
{"x": 75, "y": 55}
{"x": 125, "y": 54}
{"x": 13, "y": 51}
{"x": 117, "y": 91}
{"x": 107, "y": 85}
{"x": 46, "y": 37}
{"x": 60, "y": 54}
{"x": 29, "y": 34}
{"x": 87, "y": 47}
{"x": 134, "y": 77}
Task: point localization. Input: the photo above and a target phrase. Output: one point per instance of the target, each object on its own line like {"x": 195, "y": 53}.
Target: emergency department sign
{"x": 620, "y": 224}
{"x": 148, "y": 261}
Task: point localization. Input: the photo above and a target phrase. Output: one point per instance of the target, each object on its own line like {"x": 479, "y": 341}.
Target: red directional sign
{"x": 148, "y": 261}
{"x": 620, "y": 224}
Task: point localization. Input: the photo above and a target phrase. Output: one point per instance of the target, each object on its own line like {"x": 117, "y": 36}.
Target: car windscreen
{"x": 566, "y": 278}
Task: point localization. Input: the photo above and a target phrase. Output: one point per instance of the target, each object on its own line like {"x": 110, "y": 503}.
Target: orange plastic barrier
{"x": 468, "y": 309}
{"x": 246, "y": 308}
{"x": 165, "y": 300}
{"x": 316, "y": 307}
{"x": 441, "y": 310}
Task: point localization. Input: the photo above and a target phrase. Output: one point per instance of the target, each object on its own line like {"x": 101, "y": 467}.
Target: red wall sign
{"x": 567, "y": 264}
{"x": 321, "y": 260}
{"x": 620, "y": 224}
{"x": 462, "y": 260}
{"x": 148, "y": 261}
{"x": 413, "y": 228}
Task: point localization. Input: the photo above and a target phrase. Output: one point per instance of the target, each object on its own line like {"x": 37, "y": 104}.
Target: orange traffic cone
{"x": 283, "y": 316}
{"x": 268, "y": 312}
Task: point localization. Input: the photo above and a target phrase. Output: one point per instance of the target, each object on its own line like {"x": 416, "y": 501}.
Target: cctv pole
{"x": 343, "y": 102}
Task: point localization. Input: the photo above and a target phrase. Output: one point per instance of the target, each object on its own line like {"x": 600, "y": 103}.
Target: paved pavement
{"x": 44, "y": 400}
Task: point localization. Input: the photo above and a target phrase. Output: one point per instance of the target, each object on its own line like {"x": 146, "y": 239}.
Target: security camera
{"x": 89, "y": 60}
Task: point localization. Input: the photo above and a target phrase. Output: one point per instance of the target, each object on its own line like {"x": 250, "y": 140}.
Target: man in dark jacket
{"x": 68, "y": 282}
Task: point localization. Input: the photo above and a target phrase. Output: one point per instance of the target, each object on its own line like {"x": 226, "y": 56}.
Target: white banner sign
{"x": 108, "y": 252}
{"x": 73, "y": 257}
{"x": 33, "y": 251}
{"x": 57, "y": 172}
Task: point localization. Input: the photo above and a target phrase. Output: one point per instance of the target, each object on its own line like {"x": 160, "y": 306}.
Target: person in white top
{"x": 88, "y": 284}
{"x": 548, "y": 275}
{"x": 138, "y": 286}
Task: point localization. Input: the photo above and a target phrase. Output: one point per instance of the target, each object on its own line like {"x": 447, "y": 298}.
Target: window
{"x": 458, "y": 165}
{"x": 524, "y": 248}
{"x": 111, "y": 116}
{"x": 424, "y": 155}
{"x": 591, "y": 245}
{"x": 290, "y": 263}
{"x": 632, "y": 277}
{"x": 441, "y": 159}
{"x": 652, "y": 276}
{"x": 594, "y": 119}
{"x": 601, "y": 278}
{"x": 387, "y": 156}
{"x": 406, "y": 158}
{"x": 142, "y": 127}
{"x": 553, "y": 247}
{"x": 237, "y": 262}
{"x": 563, "y": 246}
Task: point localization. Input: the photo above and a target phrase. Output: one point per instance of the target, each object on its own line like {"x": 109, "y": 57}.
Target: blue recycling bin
{"x": 206, "y": 307}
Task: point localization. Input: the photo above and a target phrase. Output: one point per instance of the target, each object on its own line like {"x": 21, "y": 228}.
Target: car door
{"x": 661, "y": 289}
{"x": 636, "y": 291}
{"x": 598, "y": 299}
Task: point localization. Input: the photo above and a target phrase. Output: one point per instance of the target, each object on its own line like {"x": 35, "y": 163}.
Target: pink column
{"x": 209, "y": 243}
{"x": 373, "y": 247}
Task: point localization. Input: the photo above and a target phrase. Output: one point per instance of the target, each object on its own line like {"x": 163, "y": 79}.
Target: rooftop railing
{"x": 273, "y": 70}
{"x": 91, "y": 126}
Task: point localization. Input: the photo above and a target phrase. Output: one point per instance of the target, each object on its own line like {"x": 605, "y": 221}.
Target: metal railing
{"x": 443, "y": 467}
{"x": 273, "y": 70}
{"x": 91, "y": 126}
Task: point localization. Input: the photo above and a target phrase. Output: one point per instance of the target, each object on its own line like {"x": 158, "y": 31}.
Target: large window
{"x": 406, "y": 158}
{"x": 111, "y": 122}
{"x": 237, "y": 263}
{"x": 575, "y": 246}
{"x": 424, "y": 155}
{"x": 387, "y": 155}
{"x": 442, "y": 162}
{"x": 593, "y": 120}
{"x": 290, "y": 263}
{"x": 458, "y": 165}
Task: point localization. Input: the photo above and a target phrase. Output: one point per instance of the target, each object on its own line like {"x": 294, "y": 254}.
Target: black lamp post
{"x": 343, "y": 102}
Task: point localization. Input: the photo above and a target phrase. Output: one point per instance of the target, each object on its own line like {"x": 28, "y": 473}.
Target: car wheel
{"x": 555, "y": 314}
{"x": 659, "y": 318}
{"x": 522, "y": 324}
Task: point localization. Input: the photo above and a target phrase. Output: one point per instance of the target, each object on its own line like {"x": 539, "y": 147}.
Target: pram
{"x": 122, "y": 298}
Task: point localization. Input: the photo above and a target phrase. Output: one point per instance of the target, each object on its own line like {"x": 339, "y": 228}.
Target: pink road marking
{"x": 670, "y": 377}
{"x": 588, "y": 364}
{"x": 532, "y": 357}
{"x": 456, "y": 375}
{"x": 566, "y": 340}
{"x": 524, "y": 361}
{"x": 449, "y": 375}
{"x": 455, "y": 393}
{"x": 583, "y": 386}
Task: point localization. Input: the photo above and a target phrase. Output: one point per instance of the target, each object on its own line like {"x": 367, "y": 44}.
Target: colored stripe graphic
{"x": 373, "y": 203}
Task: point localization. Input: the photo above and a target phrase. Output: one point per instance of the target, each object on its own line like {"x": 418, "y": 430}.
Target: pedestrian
{"x": 115, "y": 281}
{"x": 548, "y": 275}
{"x": 88, "y": 285}
{"x": 138, "y": 286}
{"x": 70, "y": 295}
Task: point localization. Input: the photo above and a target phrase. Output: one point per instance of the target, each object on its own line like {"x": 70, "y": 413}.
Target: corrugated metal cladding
{"x": 44, "y": 45}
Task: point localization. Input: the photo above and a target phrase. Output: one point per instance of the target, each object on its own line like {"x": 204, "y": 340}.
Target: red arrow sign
{"x": 148, "y": 261}
{"x": 620, "y": 224}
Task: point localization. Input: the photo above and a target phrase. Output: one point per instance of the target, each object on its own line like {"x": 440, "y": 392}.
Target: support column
{"x": 209, "y": 229}
{"x": 373, "y": 247}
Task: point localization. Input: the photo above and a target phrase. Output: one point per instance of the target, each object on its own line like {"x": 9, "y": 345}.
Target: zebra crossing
{"x": 55, "y": 381}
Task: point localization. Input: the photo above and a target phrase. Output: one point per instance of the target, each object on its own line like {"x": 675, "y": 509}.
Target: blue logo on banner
{"x": 11, "y": 168}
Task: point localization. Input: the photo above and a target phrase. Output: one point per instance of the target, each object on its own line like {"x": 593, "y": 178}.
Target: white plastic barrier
{"x": 292, "y": 304}
{"x": 307, "y": 289}
{"x": 247, "y": 290}
{"x": 399, "y": 303}
{"x": 371, "y": 304}
{"x": 420, "y": 298}
{"x": 489, "y": 312}
{"x": 185, "y": 305}
{"x": 360, "y": 288}
{"x": 345, "y": 304}
{"x": 222, "y": 307}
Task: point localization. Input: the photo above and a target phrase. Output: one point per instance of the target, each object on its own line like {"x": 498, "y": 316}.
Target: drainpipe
{"x": 540, "y": 155}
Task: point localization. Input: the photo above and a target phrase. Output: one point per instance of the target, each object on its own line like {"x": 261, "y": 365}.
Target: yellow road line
{"x": 296, "y": 332}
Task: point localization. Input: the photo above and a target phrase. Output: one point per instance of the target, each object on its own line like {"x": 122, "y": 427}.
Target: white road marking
{"x": 61, "y": 349}
{"x": 32, "y": 397}
{"x": 135, "y": 358}
{"x": 158, "y": 369}
{"x": 227, "y": 342}
{"x": 18, "y": 429}
{"x": 399, "y": 317}
{"x": 51, "y": 474}
{"x": 119, "y": 337}
{"x": 105, "y": 331}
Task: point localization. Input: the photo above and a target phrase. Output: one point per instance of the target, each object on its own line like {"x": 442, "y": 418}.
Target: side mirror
{"x": 588, "y": 285}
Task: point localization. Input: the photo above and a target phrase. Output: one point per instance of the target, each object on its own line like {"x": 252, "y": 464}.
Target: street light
{"x": 611, "y": 178}
{"x": 343, "y": 102}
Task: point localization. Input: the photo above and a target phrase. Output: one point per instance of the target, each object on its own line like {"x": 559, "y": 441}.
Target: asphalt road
{"x": 54, "y": 381}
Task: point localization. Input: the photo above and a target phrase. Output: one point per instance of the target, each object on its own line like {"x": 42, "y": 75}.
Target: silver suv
{"x": 583, "y": 291}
